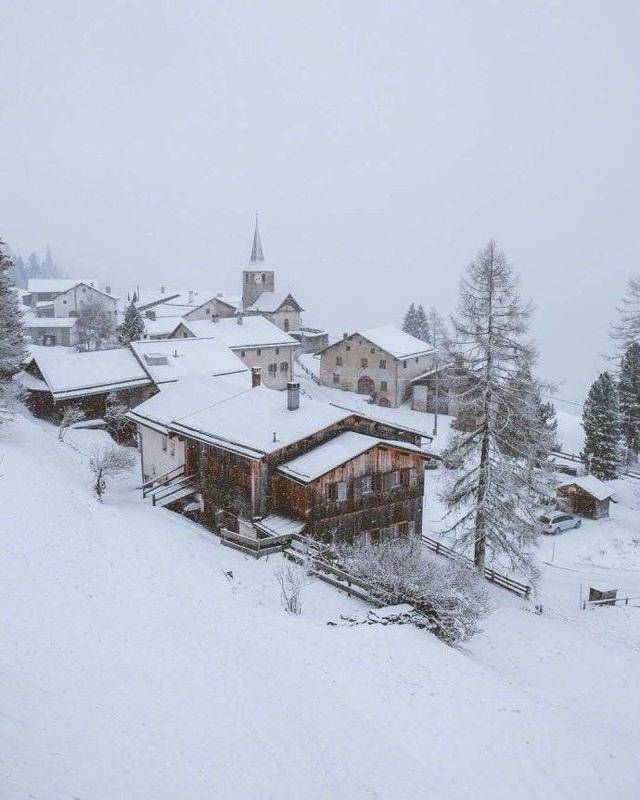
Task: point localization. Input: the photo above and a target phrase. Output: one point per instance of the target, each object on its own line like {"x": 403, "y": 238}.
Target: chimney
{"x": 293, "y": 396}
{"x": 162, "y": 290}
{"x": 256, "y": 377}
{"x": 239, "y": 318}
{"x": 345, "y": 335}
{"x": 108, "y": 289}
{"x": 190, "y": 296}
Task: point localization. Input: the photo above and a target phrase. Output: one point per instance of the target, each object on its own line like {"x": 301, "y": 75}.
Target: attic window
{"x": 155, "y": 359}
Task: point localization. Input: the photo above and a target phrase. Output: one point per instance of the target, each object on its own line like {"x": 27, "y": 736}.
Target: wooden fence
{"x": 492, "y": 575}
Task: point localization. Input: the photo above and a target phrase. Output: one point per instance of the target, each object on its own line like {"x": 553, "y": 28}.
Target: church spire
{"x": 256, "y": 250}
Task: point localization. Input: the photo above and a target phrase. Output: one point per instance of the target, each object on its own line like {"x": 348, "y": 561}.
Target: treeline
{"x": 34, "y": 266}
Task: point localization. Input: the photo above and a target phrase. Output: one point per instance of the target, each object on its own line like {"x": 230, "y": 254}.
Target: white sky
{"x": 383, "y": 144}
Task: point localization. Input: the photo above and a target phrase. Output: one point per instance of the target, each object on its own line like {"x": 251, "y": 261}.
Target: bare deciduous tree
{"x": 71, "y": 415}
{"x": 95, "y": 327}
{"x": 106, "y": 461}
{"x": 292, "y": 579}
{"x": 450, "y": 593}
{"x": 626, "y": 330}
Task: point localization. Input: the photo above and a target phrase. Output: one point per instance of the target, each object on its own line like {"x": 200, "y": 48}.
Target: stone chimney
{"x": 293, "y": 396}
{"x": 345, "y": 335}
{"x": 190, "y": 296}
{"x": 256, "y": 377}
{"x": 162, "y": 290}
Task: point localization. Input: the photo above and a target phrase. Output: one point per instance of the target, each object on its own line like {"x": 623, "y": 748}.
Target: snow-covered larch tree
{"x": 13, "y": 351}
{"x": 626, "y": 330}
{"x": 492, "y": 491}
{"x": 602, "y": 451}
{"x": 629, "y": 395}
{"x": 132, "y": 328}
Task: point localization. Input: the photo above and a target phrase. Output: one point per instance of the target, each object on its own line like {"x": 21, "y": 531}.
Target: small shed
{"x": 587, "y": 496}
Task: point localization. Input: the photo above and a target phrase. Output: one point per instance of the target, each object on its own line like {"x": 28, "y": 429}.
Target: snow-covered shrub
{"x": 449, "y": 592}
{"x": 292, "y": 578}
{"x": 72, "y": 414}
{"x": 106, "y": 461}
{"x": 122, "y": 430}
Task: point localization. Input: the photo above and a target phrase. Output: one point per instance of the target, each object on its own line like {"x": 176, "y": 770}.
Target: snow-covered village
{"x": 339, "y": 498}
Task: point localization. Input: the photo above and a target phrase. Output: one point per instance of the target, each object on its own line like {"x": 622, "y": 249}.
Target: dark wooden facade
{"x": 370, "y": 493}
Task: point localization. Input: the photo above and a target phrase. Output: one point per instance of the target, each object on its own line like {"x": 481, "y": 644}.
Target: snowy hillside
{"x": 134, "y": 668}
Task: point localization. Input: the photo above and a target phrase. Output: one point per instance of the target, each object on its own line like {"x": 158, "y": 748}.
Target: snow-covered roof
{"x": 252, "y": 332}
{"x": 78, "y": 374}
{"x": 257, "y": 422}
{"x": 44, "y": 304}
{"x": 49, "y": 322}
{"x": 269, "y": 302}
{"x": 183, "y": 357}
{"x": 175, "y": 400}
{"x": 591, "y": 485}
{"x": 162, "y": 326}
{"x": 395, "y": 341}
{"x": 52, "y": 285}
{"x": 332, "y": 454}
{"x": 277, "y": 525}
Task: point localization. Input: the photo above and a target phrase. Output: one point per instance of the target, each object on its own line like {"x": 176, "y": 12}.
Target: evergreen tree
{"x": 33, "y": 267}
{"x": 422, "y": 325}
{"x": 48, "y": 268}
{"x": 492, "y": 494}
{"x": 549, "y": 422}
{"x": 629, "y": 394}
{"x": 409, "y": 323}
{"x": 13, "y": 351}
{"x": 602, "y": 428}
{"x": 132, "y": 328}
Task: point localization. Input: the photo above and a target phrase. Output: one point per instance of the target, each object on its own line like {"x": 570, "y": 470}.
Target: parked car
{"x": 558, "y": 521}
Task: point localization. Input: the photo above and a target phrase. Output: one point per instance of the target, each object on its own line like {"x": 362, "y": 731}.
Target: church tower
{"x": 256, "y": 279}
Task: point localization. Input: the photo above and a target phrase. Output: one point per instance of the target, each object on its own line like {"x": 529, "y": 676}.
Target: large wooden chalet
{"x": 257, "y": 459}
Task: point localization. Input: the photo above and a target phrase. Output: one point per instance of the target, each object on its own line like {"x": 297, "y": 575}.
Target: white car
{"x": 558, "y": 521}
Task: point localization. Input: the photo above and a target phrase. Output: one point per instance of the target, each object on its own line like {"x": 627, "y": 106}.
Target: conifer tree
{"x": 13, "y": 351}
{"x": 422, "y": 325}
{"x": 409, "y": 323}
{"x": 491, "y": 493}
{"x": 602, "y": 450}
{"x": 132, "y": 328}
{"x": 629, "y": 395}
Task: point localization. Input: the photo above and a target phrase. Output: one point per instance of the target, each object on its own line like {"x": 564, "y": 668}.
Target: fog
{"x": 382, "y": 143}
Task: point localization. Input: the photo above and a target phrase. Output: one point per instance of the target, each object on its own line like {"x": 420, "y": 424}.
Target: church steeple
{"x": 256, "y": 250}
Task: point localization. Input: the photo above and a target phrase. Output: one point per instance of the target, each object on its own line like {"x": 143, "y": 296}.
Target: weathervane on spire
{"x": 256, "y": 250}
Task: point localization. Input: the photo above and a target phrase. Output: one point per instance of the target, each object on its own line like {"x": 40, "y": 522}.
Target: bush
{"x": 106, "y": 461}
{"x": 292, "y": 579}
{"x": 450, "y": 593}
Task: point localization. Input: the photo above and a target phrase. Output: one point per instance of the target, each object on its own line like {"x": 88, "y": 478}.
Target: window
{"x": 284, "y": 366}
{"x": 277, "y": 351}
{"x": 408, "y": 477}
{"x": 336, "y": 377}
{"x": 392, "y": 480}
{"x": 348, "y": 347}
{"x": 273, "y": 368}
{"x": 365, "y": 484}
{"x": 417, "y": 359}
{"x": 84, "y": 291}
{"x": 208, "y": 310}
{"x": 383, "y": 363}
{"x": 338, "y": 361}
{"x": 243, "y": 353}
{"x": 258, "y": 352}
{"x": 336, "y": 492}
{"x": 383, "y": 386}
{"x": 164, "y": 444}
{"x": 172, "y": 447}
{"x": 286, "y": 325}
{"x": 264, "y": 277}
{"x": 403, "y": 529}
{"x": 364, "y": 363}
{"x": 404, "y": 365}
{"x": 185, "y": 335}
{"x": 373, "y": 350}
{"x": 64, "y": 302}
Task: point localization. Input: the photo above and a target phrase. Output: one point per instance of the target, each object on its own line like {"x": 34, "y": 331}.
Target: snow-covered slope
{"x": 133, "y": 668}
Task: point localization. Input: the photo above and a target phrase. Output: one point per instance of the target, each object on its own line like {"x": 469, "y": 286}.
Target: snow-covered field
{"x": 133, "y": 668}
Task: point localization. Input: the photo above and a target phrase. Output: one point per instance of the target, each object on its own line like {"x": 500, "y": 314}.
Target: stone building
{"x": 379, "y": 362}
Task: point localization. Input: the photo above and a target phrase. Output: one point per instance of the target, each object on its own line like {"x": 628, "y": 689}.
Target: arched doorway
{"x": 384, "y": 402}
{"x": 365, "y": 385}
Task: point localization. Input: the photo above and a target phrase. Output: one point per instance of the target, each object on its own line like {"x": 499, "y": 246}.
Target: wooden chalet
{"x": 249, "y": 457}
{"x": 586, "y": 496}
